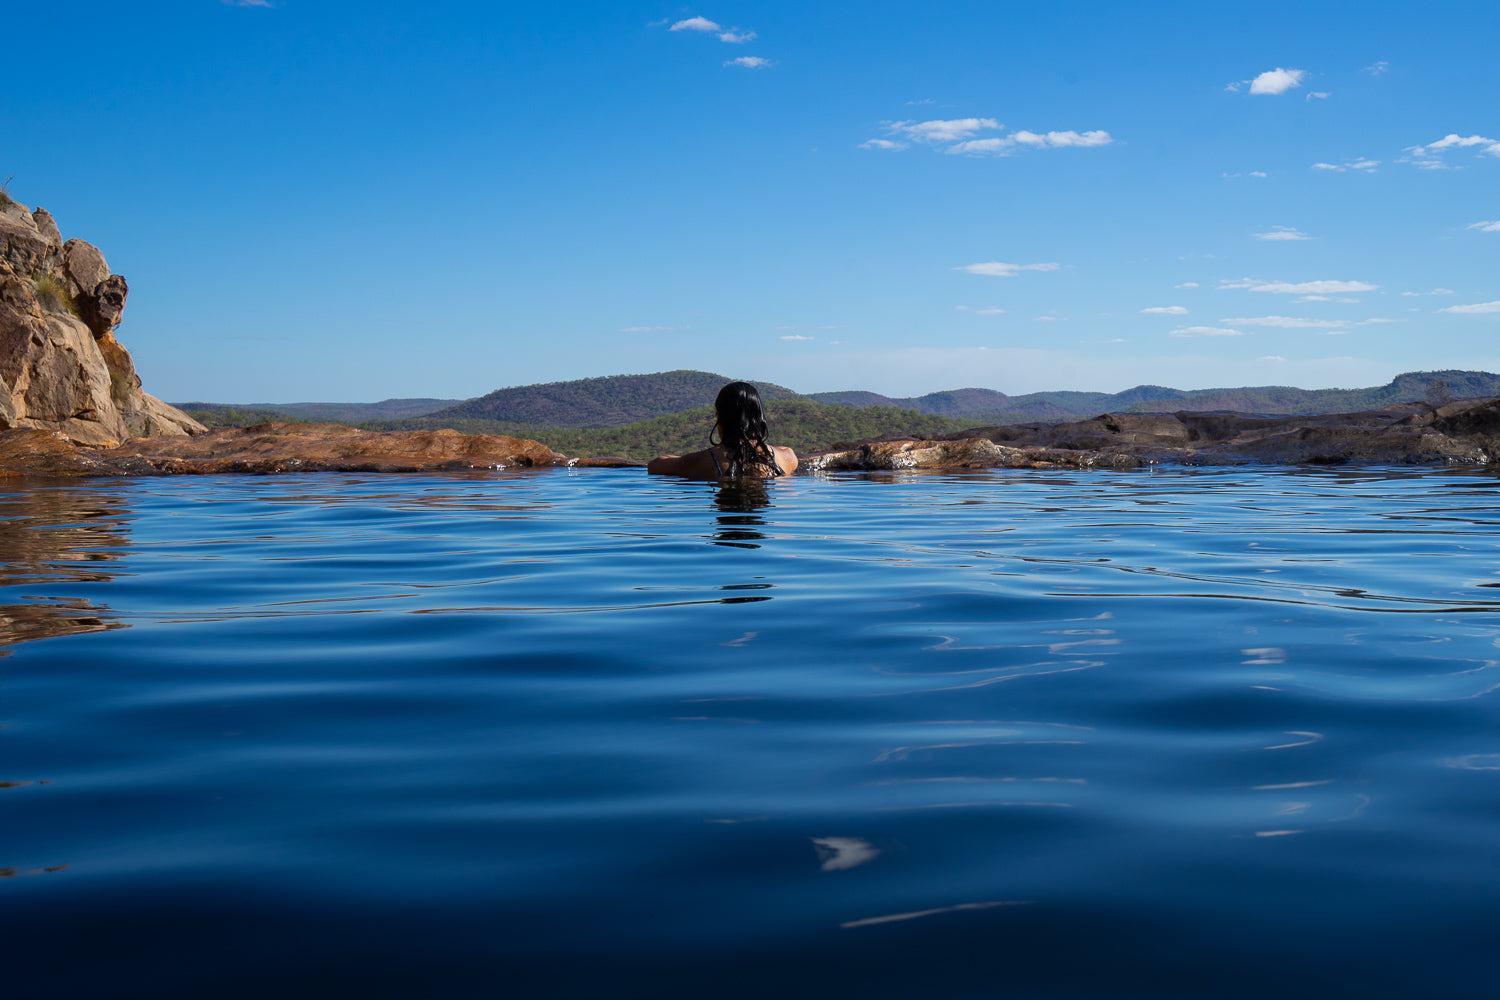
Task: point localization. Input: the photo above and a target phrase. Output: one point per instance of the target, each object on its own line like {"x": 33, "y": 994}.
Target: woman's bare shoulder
{"x": 786, "y": 459}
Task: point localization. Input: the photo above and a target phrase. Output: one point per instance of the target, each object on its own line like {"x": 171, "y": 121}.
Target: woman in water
{"x": 741, "y": 453}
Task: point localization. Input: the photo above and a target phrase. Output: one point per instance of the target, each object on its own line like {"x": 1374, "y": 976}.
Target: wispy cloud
{"x": 1430, "y": 156}
{"x": 1435, "y": 291}
{"x": 1288, "y": 322}
{"x": 942, "y": 130}
{"x": 1479, "y": 307}
{"x": 1486, "y": 227}
{"x": 1004, "y": 145}
{"x": 695, "y": 24}
{"x": 646, "y": 329}
{"x": 794, "y": 336}
{"x": 991, "y": 311}
{"x": 1300, "y": 287}
{"x": 996, "y": 269}
{"x": 1375, "y": 69}
{"x": 1272, "y": 81}
{"x": 1283, "y": 233}
{"x": 249, "y": 3}
{"x": 748, "y": 62}
{"x": 1321, "y": 95}
{"x": 1368, "y": 166}
{"x": 959, "y": 136}
{"x": 737, "y": 37}
{"x": 1205, "y": 331}
{"x": 1166, "y": 310}
{"x": 1187, "y": 284}
{"x": 1272, "y": 357}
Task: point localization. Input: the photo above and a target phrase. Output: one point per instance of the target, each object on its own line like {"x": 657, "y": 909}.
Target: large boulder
{"x": 61, "y": 368}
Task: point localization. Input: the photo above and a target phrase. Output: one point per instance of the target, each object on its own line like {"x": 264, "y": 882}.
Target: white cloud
{"x": 749, "y": 62}
{"x": 737, "y": 37}
{"x": 1301, "y": 287}
{"x": 994, "y": 146}
{"x": 949, "y": 130}
{"x": 795, "y": 336}
{"x": 1283, "y": 233}
{"x": 1277, "y": 81}
{"x": 882, "y": 144}
{"x": 646, "y": 329}
{"x": 1480, "y": 307}
{"x": 1378, "y": 319}
{"x": 1098, "y": 137}
{"x": 961, "y": 136}
{"x": 1486, "y": 227}
{"x": 1187, "y": 284}
{"x": 1364, "y": 164}
{"x": 249, "y": 3}
{"x": 1429, "y": 157}
{"x": 995, "y": 269}
{"x": 1375, "y": 69}
{"x": 1435, "y": 291}
{"x": 695, "y": 24}
{"x": 925, "y": 100}
{"x": 1166, "y": 310}
{"x": 1272, "y": 357}
{"x": 1319, "y": 94}
{"x": 980, "y": 312}
{"x": 1288, "y": 322}
{"x": 1204, "y": 331}
{"x": 1002, "y": 146}
{"x": 1048, "y": 319}
{"x": 1259, "y": 173}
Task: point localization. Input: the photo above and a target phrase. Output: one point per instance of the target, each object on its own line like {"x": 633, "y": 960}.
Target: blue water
{"x": 1181, "y": 733}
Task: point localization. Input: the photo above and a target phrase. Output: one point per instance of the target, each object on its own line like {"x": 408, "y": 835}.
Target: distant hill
{"x": 611, "y": 401}
{"x": 987, "y": 406}
{"x": 241, "y": 414}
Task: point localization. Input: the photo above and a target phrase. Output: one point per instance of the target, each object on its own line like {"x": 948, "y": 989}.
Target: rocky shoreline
{"x": 1466, "y": 432}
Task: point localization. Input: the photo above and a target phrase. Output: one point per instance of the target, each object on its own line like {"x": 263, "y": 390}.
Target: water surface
{"x": 1180, "y": 733}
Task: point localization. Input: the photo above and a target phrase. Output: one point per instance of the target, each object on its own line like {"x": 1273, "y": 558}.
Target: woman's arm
{"x": 786, "y": 460}
{"x": 697, "y": 465}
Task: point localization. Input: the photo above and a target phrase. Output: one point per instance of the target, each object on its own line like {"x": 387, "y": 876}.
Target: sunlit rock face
{"x": 61, "y": 368}
{"x": 288, "y": 447}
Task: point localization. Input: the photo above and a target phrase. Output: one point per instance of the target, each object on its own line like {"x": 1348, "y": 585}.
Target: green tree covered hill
{"x": 611, "y": 401}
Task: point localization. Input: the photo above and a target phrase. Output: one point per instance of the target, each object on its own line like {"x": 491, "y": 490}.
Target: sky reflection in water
{"x": 1177, "y": 733}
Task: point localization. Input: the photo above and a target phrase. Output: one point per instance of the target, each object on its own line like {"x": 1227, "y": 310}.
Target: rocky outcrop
{"x": 61, "y": 368}
{"x": 273, "y": 448}
{"x": 1465, "y": 431}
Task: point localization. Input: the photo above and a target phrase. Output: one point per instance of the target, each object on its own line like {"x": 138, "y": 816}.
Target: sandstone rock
{"x": 1465, "y": 431}
{"x": 46, "y": 226}
{"x": 83, "y": 267}
{"x": 286, "y": 447}
{"x": 102, "y": 310}
{"x": 22, "y": 247}
{"x": 148, "y": 417}
{"x": 64, "y": 373}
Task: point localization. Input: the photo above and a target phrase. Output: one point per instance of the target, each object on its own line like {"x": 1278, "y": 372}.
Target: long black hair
{"x": 742, "y": 422}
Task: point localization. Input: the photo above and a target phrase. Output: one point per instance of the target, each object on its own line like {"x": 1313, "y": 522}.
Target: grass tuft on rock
{"x": 53, "y": 295}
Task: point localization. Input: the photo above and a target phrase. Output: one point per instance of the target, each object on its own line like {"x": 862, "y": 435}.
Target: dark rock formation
{"x": 1466, "y": 431}
{"x": 61, "y": 368}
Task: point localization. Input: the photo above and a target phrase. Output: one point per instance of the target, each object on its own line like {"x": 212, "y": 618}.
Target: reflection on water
{"x": 1068, "y": 735}
{"x": 740, "y": 504}
{"x": 47, "y": 536}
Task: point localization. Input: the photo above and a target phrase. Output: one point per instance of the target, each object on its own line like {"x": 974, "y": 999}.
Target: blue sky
{"x": 330, "y": 200}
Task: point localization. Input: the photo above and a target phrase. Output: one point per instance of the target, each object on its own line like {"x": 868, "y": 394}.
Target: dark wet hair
{"x": 742, "y": 422}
